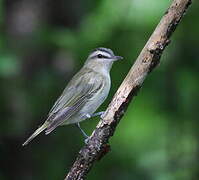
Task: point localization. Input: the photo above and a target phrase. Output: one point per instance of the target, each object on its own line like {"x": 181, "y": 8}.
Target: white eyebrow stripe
{"x": 100, "y": 52}
{"x": 105, "y": 54}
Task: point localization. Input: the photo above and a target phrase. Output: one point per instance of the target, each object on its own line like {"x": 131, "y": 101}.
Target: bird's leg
{"x": 87, "y": 116}
{"x": 82, "y": 131}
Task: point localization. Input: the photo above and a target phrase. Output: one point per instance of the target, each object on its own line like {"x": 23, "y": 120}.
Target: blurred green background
{"x": 44, "y": 42}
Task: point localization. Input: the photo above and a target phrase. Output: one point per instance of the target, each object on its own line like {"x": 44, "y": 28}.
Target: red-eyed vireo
{"x": 86, "y": 91}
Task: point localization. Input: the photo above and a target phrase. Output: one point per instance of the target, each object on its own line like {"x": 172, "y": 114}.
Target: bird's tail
{"x": 38, "y": 131}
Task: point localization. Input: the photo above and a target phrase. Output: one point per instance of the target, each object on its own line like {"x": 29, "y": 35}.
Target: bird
{"x": 84, "y": 93}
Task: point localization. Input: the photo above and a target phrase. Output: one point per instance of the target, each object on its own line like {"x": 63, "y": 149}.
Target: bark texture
{"x": 148, "y": 59}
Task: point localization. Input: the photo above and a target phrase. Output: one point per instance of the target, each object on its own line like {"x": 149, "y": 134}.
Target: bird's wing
{"x": 74, "y": 97}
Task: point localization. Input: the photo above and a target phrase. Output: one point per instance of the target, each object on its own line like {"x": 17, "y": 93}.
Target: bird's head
{"x": 101, "y": 58}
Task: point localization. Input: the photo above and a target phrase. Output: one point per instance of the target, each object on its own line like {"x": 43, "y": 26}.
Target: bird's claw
{"x": 87, "y": 140}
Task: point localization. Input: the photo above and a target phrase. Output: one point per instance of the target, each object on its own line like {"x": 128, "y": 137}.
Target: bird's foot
{"x": 88, "y": 116}
{"x": 98, "y": 114}
{"x": 86, "y": 140}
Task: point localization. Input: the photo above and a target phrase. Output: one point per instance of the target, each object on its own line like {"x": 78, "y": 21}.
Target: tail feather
{"x": 49, "y": 130}
{"x": 51, "y": 127}
{"x": 37, "y": 132}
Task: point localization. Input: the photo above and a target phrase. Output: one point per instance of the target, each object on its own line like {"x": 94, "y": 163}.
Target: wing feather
{"x": 73, "y": 98}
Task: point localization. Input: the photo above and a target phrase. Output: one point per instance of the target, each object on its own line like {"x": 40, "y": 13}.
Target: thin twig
{"x": 147, "y": 60}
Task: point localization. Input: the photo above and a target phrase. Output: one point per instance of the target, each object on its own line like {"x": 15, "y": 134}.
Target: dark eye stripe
{"x": 101, "y": 56}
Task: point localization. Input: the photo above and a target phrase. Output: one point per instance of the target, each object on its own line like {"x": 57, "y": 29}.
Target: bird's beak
{"x": 116, "y": 58}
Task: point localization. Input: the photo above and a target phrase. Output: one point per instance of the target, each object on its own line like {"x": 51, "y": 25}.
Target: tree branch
{"x": 147, "y": 60}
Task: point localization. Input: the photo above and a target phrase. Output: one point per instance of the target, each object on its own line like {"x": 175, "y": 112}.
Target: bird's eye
{"x": 100, "y": 56}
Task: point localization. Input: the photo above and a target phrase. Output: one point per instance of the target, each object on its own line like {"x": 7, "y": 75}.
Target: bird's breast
{"x": 99, "y": 97}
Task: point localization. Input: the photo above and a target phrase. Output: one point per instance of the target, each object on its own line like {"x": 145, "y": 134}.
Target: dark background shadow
{"x": 44, "y": 42}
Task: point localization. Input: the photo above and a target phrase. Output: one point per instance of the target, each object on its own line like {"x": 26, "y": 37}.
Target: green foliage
{"x": 43, "y": 44}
